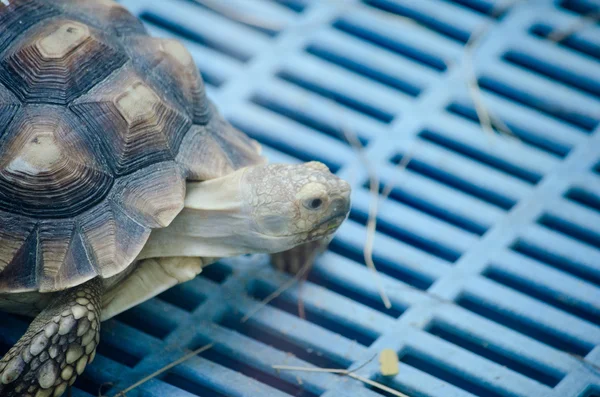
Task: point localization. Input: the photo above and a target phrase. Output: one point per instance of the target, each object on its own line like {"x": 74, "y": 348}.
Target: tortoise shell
{"x": 100, "y": 126}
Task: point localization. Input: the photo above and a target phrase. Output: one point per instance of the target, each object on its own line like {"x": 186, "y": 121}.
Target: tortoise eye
{"x": 313, "y": 204}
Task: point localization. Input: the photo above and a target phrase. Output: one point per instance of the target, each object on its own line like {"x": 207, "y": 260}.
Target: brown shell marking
{"x": 47, "y": 167}
{"x": 171, "y": 65}
{"x": 59, "y": 63}
{"x": 217, "y": 149}
{"x": 137, "y": 127}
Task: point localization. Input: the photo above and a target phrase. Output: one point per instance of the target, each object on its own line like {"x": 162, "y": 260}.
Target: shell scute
{"x": 139, "y": 127}
{"x": 59, "y": 63}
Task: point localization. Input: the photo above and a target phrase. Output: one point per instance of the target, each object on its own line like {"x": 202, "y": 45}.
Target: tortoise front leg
{"x": 57, "y": 346}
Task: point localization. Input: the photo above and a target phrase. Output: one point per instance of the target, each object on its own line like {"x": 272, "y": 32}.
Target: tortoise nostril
{"x": 340, "y": 205}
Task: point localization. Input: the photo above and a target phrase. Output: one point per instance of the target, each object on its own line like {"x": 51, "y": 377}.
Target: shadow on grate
{"x": 523, "y": 325}
{"x": 572, "y": 42}
{"x": 535, "y": 290}
{"x": 571, "y": 116}
{"x": 384, "y": 266}
{"x": 411, "y": 356}
{"x": 583, "y": 7}
{"x": 495, "y": 162}
{"x": 530, "y": 138}
{"x": 584, "y": 197}
{"x": 259, "y": 290}
{"x": 429, "y": 171}
{"x": 194, "y": 36}
{"x": 268, "y": 27}
{"x": 397, "y": 233}
{"x": 190, "y": 386}
{"x": 560, "y": 75}
{"x": 218, "y": 356}
{"x": 393, "y": 44}
{"x": 339, "y": 59}
{"x": 354, "y": 103}
{"x": 372, "y": 300}
{"x": 263, "y": 334}
{"x": 556, "y": 261}
{"x": 283, "y": 146}
{"x": 305, "y": 118}
{"x": 492, "y": 352}
{"x": 570, "y": 229}
{"x": 431, "y": 21}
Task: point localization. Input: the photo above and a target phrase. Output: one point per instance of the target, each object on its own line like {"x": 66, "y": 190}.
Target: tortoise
{"x": 119, "y": 178}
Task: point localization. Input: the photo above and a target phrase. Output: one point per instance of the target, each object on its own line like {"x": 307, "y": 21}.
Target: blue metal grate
{"x": 489, "y": 247}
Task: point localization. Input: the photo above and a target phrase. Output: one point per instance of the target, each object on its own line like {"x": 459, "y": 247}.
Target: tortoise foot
{"x": 56, "y": 347}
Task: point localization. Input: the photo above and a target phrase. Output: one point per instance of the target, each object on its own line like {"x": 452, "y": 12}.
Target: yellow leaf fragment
{"x": 388, "y": 362}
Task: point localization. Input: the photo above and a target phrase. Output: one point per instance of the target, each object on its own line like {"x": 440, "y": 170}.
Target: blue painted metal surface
{"x": 489, "y": 246}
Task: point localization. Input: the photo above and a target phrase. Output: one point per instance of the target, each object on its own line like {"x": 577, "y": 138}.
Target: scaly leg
{"x": 57, "y": 346}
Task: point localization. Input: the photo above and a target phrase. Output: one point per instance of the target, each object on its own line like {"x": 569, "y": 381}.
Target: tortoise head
{"x": 294, "y": 204}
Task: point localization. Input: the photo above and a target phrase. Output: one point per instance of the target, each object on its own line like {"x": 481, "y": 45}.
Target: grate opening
{"x": 182, "y": 31}
{"x": 372, "y": 301}
{"x": 401, "y": 196}
{"x": 244, "y": 367}
{"x": 89, "y": 385}
{"x": 387, "y": 267}
{"x": 557, "y": 300}
{"x": 481, "y": 157}
{"x": 582, "y": 7}
{"x": 556, "y": 73}
{"x": 285, "y": 147}
{"x": 592, "y": 391}
{"x": 350, "y": 102}
{"x": 493, "y": 353}
{"x": 184, "y": 298}
{"x": 452, "y": 32}
{"x": 523, "y": 325}
{"x": 295, "y": 5}
{"x": 108, "y": 350}
{"x": 486, "y": 8}
{"x": 555, "y": 261}
{"x": 217, "y": 272}
{"x": 189, "y": 386}
{"x": 431, "y": 247}
{"x": 572, "y": 42}
{"x": 330, "y": 55}
{"x": 148, "y": 323}
{"x": 229, "y": 13}
{"x": 259, "y": 290}
{"x": 578, "y": 120}
{"x": 304, "y": 118}
{"x": 584, "y": 197}
{"x": 457, "y": 183}
{"x": 539, "y": 142}
{"x": 453, "y": 376}
{"x": 391, "y": 44}
{"x": 272, "y": 338}
{"x": 570, "y": 229}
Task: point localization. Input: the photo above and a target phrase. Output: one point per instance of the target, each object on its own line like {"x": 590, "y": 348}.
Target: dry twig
{"x": 343, "y": 372}
{"x": 373, "y": 209}
{"x": 558, "y": 35}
